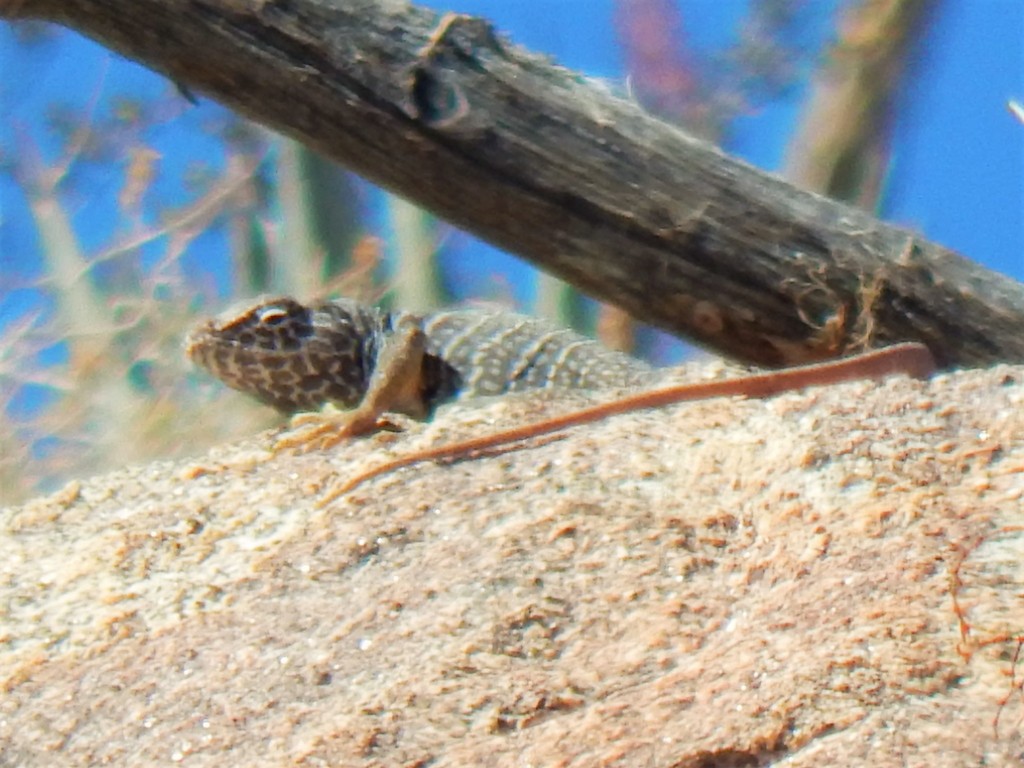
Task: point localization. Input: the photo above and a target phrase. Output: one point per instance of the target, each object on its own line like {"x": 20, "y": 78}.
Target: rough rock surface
{"x": 830, "y": 577}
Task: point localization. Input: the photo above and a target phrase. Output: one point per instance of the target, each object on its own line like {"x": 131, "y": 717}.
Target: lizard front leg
{"x": 395, "y": 387}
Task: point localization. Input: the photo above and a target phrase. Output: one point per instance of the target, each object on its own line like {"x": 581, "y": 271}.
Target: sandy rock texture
{"x": 830, "y": 577}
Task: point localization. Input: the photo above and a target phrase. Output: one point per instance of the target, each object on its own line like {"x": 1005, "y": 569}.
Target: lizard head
{"x": 286, "y": 354}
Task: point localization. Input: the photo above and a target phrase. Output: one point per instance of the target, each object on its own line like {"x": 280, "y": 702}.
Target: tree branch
{"x": 539, "y": 161}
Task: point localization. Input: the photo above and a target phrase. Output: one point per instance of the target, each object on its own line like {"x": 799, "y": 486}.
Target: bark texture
{"x": 827, "y": 578}
{"x": 539, "y": 161}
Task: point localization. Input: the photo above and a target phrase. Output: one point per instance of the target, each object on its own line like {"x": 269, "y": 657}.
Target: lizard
{"x": 371, "y": 362}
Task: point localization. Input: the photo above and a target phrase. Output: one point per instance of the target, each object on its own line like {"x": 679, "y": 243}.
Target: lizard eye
{"x": 272, "y": 315}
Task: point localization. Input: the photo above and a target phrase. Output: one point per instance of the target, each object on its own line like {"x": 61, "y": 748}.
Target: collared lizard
{"x": 297, "y": 358}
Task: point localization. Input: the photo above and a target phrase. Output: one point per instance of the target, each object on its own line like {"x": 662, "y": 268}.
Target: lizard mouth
{"x": 278, "y": 379}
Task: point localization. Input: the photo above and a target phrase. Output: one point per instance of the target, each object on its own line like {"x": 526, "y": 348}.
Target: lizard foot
{"x": 323, "y": 430}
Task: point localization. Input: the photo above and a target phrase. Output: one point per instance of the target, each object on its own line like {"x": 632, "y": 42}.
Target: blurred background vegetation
{"x": 131, "y": 210}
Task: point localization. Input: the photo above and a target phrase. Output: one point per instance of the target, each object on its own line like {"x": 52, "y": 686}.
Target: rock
{"x": 826, "y": 577}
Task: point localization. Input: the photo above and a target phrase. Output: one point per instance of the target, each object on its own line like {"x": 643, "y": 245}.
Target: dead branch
{"x": 539, "y": 161}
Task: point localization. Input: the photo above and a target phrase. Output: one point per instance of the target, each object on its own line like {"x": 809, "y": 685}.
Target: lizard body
{"x": 297, "y": 358}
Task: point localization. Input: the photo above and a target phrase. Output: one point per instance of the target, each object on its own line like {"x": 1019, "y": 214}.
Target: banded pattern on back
{"x": 497, "y": 353}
